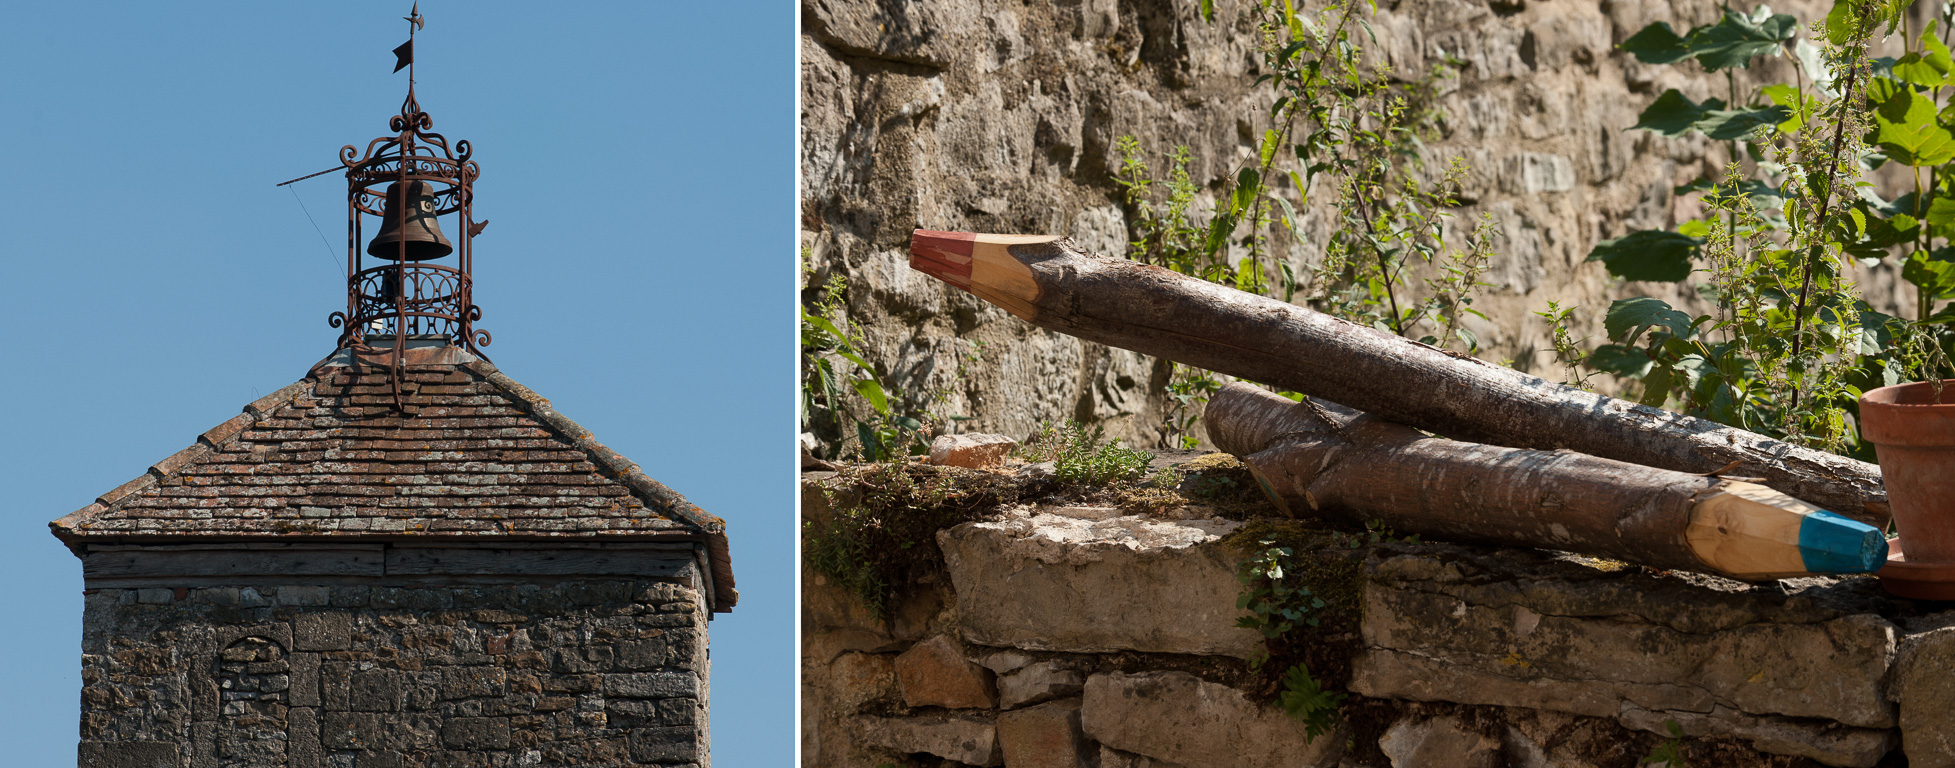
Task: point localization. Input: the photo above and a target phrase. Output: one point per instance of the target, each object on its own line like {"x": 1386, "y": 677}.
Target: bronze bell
{"x": 421, "y": 229}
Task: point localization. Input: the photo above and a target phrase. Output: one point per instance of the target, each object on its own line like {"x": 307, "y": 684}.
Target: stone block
{"x": 372, "y": 730}
{"x": 935, "y": 673}
{"x": 964, "y": 738}
{"x": 1074, "y": 584}
{"x": 302, "y": 739}
{"x": 475, "y": 733}
{"x": 1046, "y": 736}
{"x": 472, "y": 682}
{"x": 1462, "y": 631}
{"x": 859, "y": 678}
{"x": 1414, "y": 741}
{"x": 1181, "y": 718}
{"x": 1041, "y": 681}
{"x": 1926, "y": 693}
{"x": 305, "y": 679}
{"x": 305, "y": 596}
{"x": 649, "y": 653}
{"x": 128, "y": 754}
{"x": 651, "y": 685}
{"x": 664, "y": 745}
{"x": 322, "y": 631}
{"x": 345, "y": 686}
{"x": 971, "y": 451}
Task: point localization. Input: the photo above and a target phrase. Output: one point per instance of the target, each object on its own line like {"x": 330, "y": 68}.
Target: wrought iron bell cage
{"x": 394, "y": 295}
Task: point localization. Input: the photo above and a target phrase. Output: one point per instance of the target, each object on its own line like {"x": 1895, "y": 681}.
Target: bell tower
{"x": 406, "y": 557}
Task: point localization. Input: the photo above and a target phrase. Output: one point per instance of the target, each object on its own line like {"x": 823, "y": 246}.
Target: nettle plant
{"x": 1356, "y": 134}
{"x": 1790, "y": 344}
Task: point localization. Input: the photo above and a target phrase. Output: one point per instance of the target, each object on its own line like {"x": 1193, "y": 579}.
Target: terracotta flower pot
{"x": 1913, "y": 434}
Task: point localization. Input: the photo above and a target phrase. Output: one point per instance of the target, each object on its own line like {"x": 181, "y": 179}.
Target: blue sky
{"x": 638, "y": 170}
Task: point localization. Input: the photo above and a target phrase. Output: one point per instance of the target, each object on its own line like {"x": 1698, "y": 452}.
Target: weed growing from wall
{"x": 1791, "y": 344}
{"x": 1355, "y": 136}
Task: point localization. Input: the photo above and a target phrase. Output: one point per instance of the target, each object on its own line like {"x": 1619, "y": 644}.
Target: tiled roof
{"x": 479, "y": 457}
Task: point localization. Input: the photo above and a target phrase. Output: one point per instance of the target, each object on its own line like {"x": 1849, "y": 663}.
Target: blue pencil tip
{"x": 1831, "y": 543}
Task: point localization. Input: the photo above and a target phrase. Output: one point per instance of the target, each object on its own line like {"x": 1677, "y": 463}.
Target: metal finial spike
{"x": 414, "y": 17}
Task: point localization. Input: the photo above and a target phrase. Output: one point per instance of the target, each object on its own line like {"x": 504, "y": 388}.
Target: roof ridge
{"x": 622, "y": 469}
{"x": 207, "y": 443}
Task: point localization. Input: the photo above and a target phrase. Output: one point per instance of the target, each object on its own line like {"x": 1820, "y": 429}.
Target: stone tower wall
{"x": 586, "y": 673}
{"x": 1001, "y": 116}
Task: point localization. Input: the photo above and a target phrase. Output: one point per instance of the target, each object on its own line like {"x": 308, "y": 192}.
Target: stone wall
{"x": 1002, "y": 116}
{"x": 585, "y": 673}
{"x": 1081, "y": 636}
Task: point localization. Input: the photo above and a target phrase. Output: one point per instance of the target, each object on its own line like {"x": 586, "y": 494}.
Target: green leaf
{"x": 1626, "y": 315}
{"x": 872, "y": 391}
{"x": 1208, "y": 11}
{"x": 1657, "y": 386}
{"x": 1651, "y": 254}
{"x": 1734, "y": 39}
{"x": 1801, "y": 106}
{"x": 1935, "y": 278}
{"x": 1908, "y": 131}
{"x": 1738, "y": 123}
{"x": 1941, "y": 216}
{"x": 1671, "y": 114}
{"x": 1842, "y": 22}
{"x": 1656, "y": 44}
{"x": 1624, "y": 361}
{"x": 1928, "y": 67}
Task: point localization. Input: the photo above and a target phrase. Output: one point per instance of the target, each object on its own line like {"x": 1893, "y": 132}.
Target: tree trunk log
{"x": 1050, "y": 283}
{"x": 1318, "y": 460}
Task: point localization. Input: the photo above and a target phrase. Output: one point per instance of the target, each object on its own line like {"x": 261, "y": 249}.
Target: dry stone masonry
{"x": 1082, "y": 636}
{"x": 1003, "y": 116}
{"x": 605, "y": 672}
{"x": 330, "y": 580}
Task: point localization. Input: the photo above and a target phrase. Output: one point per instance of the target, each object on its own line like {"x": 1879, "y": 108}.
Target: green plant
{"x": 1667, "y": 753}
{"x": 880, "y": 537}
{"x": 1353, "y": 134}
{"x": 832, "y": 365}
{"x": 1083, "y": 457}
{"x": 1275, "y": 604}
{"x": 1304, "y": 699}
{"x": 1791, "y": 345}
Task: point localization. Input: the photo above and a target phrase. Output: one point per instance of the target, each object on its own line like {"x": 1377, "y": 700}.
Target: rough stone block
{"x": 1074, "y": 584}
{"x": 860, "y": 678}
{"x": 1439, "y": 741}
{"x": 1042, "y": 681}
{"x": 471, "y": 682}
{"x": 305, "y": 679}
{"x": 1045, "y": 736}
{"x": 971, "y": 451}
{"x": 1179, "y": 717}
{"x": 475, "y": 733}
{"x": 1582, "y": 645}
{"x": 370, "y": 730}
{"x": 651, "y": 685}
{"x": 934, "y": 673}
{"x": 963, "y": 738}
{"x": 345, "y": 686}
{"x": 322, "y": 631}
{"x": 664, "y": 745}
{"x": 1926, "y": 693}
{"x": 127, "y": 754}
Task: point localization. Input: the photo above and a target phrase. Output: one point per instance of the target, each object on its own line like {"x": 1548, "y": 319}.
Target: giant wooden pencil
{"x": 1050, "y": 283}
{"x": 1322, "y": 460}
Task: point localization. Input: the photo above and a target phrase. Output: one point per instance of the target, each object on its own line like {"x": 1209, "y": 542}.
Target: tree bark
{"x": 1151, "y": 310}
{"x": 1319, "y": 460}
